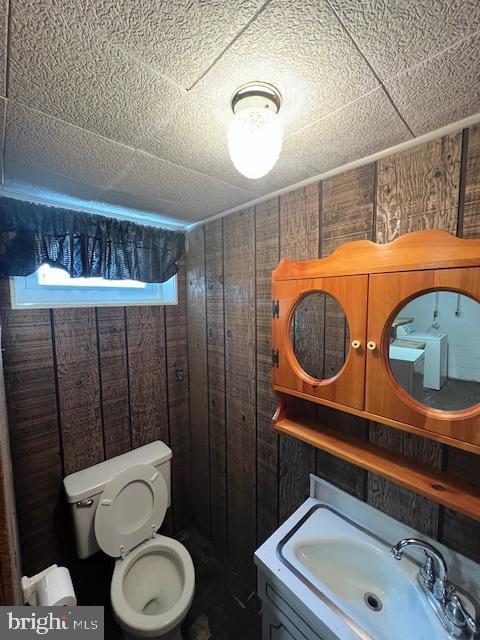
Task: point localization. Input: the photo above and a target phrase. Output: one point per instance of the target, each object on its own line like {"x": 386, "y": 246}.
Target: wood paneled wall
{"x": 246, "y": 479}
{"x": 84, "y": 385}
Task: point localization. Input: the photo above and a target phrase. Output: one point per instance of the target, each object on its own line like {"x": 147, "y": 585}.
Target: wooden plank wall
{"x": 83, "y": 385}
{"x": 10, "y": 561}
{"x": 434, "y": 185}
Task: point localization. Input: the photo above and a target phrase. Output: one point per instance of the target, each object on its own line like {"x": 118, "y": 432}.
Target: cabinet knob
{"x": 371, "y": 345}
{"x": 356, "y": 344}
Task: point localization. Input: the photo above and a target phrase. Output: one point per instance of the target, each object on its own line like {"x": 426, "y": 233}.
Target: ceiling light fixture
{"x": 255, "y": 135}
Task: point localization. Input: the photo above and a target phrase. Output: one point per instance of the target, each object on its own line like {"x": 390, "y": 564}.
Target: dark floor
{"x": 453, "y": 396}
{"x": 224, "y": 606}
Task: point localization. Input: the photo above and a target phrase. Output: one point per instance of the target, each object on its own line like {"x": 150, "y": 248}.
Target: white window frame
{"x": 30, "y": 293}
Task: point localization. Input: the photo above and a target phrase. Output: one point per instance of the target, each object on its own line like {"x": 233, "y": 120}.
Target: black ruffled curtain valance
{"x": 83, "y": 244}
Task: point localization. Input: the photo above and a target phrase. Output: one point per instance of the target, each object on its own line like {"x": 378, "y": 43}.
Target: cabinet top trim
{"x": 414, "y": 251}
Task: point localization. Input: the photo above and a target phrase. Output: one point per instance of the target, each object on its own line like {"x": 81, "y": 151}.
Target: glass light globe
{"x": 255, "y": 139}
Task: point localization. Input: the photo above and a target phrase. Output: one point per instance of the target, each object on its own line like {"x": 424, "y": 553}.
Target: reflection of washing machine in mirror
{"x": 436, "y": 356}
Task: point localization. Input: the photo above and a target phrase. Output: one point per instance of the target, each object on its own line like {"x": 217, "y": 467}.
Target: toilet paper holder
{"x": 31, "y": 586}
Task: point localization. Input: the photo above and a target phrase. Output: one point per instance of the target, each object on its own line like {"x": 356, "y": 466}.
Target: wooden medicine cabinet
{"x": 390, "y": 333}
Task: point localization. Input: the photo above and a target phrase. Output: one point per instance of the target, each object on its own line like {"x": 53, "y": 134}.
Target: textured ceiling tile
{"x": 26, "y": 179}
{"x": 154, "y": 205}
{"x": 301, "y": 48}
{"x": 442, "y": 90}
{"x": 179, "y": 38}
{"x": 396, "y": 35}
{"x": 196, "y": 139}
{"x": 60, "y": 66}
{"x": 151, "y": 177}
{"x": 61, "y": 148}
{"x": 3, "y": 45}
{"x": 38, "y": 184}
{"x": 360, "y": 129}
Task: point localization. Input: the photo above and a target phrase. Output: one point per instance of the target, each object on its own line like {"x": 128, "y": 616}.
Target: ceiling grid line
{"x": 367, "y": 62}
{"x": 335, "y": 111}
{"x": 127, "y": 106}
{"x": 230, "y": 44}
{"x": 438, "y": 54}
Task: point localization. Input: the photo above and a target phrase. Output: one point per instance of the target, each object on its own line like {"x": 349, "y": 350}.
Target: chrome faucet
{"x": 441, "y": 594}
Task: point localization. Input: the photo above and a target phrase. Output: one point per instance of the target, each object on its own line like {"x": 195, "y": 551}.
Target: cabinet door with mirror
{"x": 321, "y": 326}
{"x": 427, "y": 353}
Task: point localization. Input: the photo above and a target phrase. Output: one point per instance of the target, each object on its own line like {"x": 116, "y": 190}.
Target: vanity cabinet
{"x": 345, "y": 327}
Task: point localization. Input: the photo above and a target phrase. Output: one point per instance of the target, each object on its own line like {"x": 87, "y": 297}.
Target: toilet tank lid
{"x": 89, "y": 482}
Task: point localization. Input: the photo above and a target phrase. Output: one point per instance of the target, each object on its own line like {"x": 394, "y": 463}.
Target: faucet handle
{"x": 456, "y": 612}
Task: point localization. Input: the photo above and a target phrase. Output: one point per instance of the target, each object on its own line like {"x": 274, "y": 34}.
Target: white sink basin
{"x": 354, "y": 572}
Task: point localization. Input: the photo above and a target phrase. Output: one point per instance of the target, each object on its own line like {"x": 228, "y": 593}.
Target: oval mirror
{"x": 320, "y": 335}
{"x": 434, "y": 350}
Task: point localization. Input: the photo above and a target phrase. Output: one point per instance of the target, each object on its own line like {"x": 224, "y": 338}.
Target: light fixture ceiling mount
{"x": 255, "y": 135}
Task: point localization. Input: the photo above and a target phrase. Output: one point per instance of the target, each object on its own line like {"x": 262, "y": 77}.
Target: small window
{"x": 50, "y": 287}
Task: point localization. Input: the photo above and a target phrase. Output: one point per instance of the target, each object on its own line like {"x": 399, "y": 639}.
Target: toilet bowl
{"x": 152, "y": 589}
{"x": 118, "y": 507}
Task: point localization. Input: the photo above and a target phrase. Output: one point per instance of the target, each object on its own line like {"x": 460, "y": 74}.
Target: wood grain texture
{"x": 347, "y": 389}
{"x": 471, "y": 207}
{"x": 112, "y": 353}
{"x": 347, "y": 208}
{"x": 267, "y": 254}
{"x": 417, "y": 189}
{"x": 148, "y": 373}
{"x": 411, "y": 191}
{"x": 347, "y": 215}
{"x": 10, "y": 563}
{"x": 28, "y": 362}
{"x": 178, "y": 401}
{"x": 78, "y": 387}
{"x": 457, "y": 531}
{"x": 177, "y": 363}
{"x": 240, "y": 378}
{"x": 416, "y": 511}
{"x": 307, "y": 334}
{"x": 197, "y": 366}
{"x": 216, "y": 382}
{"x": 103, "y": 371}
{"x": 420, "y": 477}
{"x": 299, "y": 240}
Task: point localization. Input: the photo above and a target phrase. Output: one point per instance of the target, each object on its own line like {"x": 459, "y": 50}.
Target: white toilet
{"x": 118, "y": 506}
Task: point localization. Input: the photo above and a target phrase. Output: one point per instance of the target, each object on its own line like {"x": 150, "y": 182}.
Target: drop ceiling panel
{"x": 24, "y": 178}
{"x": 135, "y": 96}
{"x": 356, "y": 131}
{"x": 302, "y": 49}
{"x": 60, "y": 65}
{"x": 62, "y": 148}
{"x": 3, "y": 45}
{"x": 153, "y": 205}
{"x": 35, "y": 182}
{"x": 441, "y": 90}
{"x": 155, "y": 178}
{"x": 394, "y": 36}
{"x": 196, "y": 137}
{"x": 179, "y": 38}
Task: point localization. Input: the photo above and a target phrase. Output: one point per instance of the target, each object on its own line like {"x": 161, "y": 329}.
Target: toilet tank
{"x": 84, "y": 488}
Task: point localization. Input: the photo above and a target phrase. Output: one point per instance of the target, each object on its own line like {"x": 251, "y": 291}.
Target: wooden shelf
{"x": 416, "y": 476}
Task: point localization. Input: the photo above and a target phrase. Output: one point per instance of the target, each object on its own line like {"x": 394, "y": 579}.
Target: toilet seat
{"x": 130, "y": 510}
{"x": 135, "y": 621}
